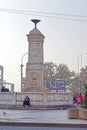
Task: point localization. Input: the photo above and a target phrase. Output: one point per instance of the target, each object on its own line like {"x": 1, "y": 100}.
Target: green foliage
{"x": 75, "y": 82}
{"x": 50, "y": 72}
{"x": 85, "y": 97}
{"x": 61, "y": 72}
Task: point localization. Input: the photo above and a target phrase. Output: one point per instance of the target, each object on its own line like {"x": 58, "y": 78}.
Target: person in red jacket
{"x": 78, "y": 100}
{"x": 81, "y": 98}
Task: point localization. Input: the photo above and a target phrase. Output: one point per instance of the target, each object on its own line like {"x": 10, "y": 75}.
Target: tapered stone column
{"x": 35, "y": 70}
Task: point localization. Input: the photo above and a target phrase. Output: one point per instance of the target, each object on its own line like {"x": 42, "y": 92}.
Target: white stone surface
{"x": 35, "y": 71}
{"x": 37, "y": 98}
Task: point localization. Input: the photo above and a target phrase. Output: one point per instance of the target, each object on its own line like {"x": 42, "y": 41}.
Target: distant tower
{"x": 35, "y": 72}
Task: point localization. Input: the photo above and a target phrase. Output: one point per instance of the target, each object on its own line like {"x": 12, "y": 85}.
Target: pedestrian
{"x": 3, "y": 89}
{"x": 26, "y": 102}
{"x": 74, "y": 99}
{"x": 78, "y": 100}
{"x": 81, "y": 98}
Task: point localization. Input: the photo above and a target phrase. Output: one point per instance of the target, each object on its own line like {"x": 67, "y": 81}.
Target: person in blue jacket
{"x": 3, "y": 89}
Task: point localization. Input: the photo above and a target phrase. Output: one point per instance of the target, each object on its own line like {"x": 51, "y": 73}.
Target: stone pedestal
{"x": 75, "y": 113}
{"x": 80, "y": 113}
{"x": 84, "y": 113}
{"x": 72, "y": 113}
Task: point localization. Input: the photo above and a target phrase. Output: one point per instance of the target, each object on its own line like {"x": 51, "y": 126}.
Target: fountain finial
{"x": 35, "y": 21}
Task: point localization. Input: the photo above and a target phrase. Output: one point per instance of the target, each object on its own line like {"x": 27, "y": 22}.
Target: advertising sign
{"x": 57, "y": 85}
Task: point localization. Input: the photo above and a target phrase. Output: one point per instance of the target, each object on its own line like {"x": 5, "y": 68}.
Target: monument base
{"x": 34, "y": 89}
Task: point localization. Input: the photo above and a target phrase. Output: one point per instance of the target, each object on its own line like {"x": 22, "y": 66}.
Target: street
{"x": 37, "y": 128}
{"x": 39, "y": 120}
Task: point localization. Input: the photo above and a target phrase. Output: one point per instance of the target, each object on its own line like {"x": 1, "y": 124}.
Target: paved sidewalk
{"x": 54, "y": 118}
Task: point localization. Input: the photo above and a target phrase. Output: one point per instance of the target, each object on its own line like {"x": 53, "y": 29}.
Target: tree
{"x": 79, "y": 81}
{"x": 64, "y": 73}
{"x": 50, "y": 72}
{"x": 85, "y": 97}
{"x": 61, "y": 72}
{"x": 83, "y": 75}
{"x": 75, "y": 85}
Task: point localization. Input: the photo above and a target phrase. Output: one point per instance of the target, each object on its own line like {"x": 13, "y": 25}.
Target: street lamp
{"x": 22, "y": 68}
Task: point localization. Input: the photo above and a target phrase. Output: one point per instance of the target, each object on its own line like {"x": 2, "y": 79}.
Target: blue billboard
{"x": 57, "y": 85}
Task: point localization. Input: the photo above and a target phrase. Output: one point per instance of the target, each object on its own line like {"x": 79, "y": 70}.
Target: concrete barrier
{"x": 15, "y": 99}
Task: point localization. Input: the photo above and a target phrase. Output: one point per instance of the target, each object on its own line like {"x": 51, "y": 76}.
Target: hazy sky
{"x": 64, "y": 39}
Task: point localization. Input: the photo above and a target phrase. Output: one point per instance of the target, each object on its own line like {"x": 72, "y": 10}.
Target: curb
{"x": 43, "y": 124}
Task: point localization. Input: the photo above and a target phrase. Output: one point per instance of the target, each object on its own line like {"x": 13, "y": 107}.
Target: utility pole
{"x": 22, "y": 68}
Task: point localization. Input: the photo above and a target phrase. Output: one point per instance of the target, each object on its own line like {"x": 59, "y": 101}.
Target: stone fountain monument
{"x": 35, "y": 69}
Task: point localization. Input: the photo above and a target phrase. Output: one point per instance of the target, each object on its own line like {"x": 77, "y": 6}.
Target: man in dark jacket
{"x": 26, "y": 101}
